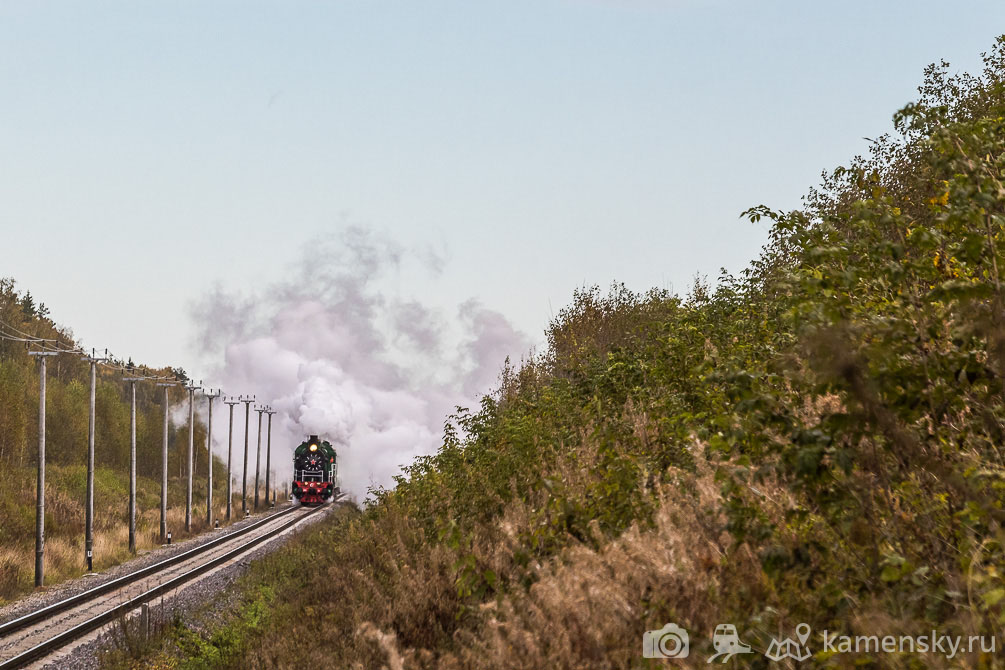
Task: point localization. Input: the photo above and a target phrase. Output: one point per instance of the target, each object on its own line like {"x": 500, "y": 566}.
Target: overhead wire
{"x": 42, "y": 342}
{"x": 21, "y": 332}
{"x": 60, "y": 347}
{"x": 11, "y": 333}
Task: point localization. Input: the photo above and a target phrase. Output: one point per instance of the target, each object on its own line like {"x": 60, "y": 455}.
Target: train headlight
{"x": 314, "y": 447}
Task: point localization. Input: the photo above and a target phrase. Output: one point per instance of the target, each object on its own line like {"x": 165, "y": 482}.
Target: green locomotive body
{"x": 315, "y": 471}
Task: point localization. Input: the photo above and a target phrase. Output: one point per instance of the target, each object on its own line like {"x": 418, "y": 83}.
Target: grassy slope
{"x": 65, "y": 496}
{"x": 817, "y": 440}
{"x": 67, "y": 399}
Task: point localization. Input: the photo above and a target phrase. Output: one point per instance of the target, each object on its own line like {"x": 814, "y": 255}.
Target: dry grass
{"x": 588, "y": 607}
{"x": 65, "y": 556}
{"x": 14, "y": 570}
{"x": 390, "y": 597}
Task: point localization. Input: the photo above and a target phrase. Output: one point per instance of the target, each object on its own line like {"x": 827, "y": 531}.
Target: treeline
{"x": 67, "y": 400}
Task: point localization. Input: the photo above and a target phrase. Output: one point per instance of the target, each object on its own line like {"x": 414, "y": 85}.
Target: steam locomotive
{"x": 314, "y": 472}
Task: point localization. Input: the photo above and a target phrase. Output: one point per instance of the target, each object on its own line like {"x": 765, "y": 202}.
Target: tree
{"x": 28, "y": 306}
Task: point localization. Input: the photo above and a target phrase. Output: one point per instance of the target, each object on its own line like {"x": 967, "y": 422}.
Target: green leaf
{"x": 890, "y": 573}
{"x": 993, "y": 597}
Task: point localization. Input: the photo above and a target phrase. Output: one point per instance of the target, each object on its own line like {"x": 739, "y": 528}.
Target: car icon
{"x": 726, "y": 642}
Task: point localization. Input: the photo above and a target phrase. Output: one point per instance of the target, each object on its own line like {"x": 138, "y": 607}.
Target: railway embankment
{"x": 65, "y": 626}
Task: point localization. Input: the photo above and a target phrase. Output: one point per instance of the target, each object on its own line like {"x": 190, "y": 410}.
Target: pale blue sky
{"x": 148, "y": 150}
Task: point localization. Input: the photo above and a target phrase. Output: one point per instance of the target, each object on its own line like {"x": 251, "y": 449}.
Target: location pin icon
{"x": 803, "y": 633}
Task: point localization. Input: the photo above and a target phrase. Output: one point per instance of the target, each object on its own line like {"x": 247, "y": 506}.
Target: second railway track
{"x": 32, "y": 636}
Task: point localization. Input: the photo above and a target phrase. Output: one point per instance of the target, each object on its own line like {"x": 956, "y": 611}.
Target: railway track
{"x": 35, "y": 635}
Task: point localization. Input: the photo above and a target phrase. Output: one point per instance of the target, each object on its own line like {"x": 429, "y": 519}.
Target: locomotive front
{"x": 314, "y": 472}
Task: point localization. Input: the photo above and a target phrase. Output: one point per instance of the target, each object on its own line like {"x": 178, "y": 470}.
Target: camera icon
{"x": 670, "y": 641}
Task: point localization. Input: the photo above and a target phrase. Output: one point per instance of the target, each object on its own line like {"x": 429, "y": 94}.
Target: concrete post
{"x": 40, "y": 483}
{"x": 230, "y": 453}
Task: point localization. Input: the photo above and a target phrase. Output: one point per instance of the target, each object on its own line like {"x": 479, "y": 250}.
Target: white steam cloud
{"x": 338, "y": 354}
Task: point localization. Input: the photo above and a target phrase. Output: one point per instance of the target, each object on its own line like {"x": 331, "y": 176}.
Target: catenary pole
{"x": 40, "y": 484}
{"x": 258, "y": 456}
{"x": 191, "y": 388}
{"x": 247, "y": 400}
{"x": 132, "y": 461}
{"x": 268, "y": 455}
{"x": 89, "y": 500}
{"x": 230, "y": 452}
{"x": 209, "y": 455}
{"x": 164, "y": 459}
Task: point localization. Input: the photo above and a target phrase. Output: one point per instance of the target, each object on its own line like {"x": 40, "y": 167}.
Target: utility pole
{"x": 40, "y": 490}
{"x": 258, "y": 457}
{"x": 209, "y": 454}
{"x": 164, "y": 461}
{"x": 89, "y": 502}
{"x": 230, "y": 450}
{"x": 268, "y": 455}
{"x": 191, "y": 388}
{"x": 247, "y": 400}
{"x": 132, "y": 461}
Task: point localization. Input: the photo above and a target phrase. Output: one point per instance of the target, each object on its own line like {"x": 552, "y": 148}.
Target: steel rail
{"x": 14, "y": 625}
{"x": 122, "y": 609}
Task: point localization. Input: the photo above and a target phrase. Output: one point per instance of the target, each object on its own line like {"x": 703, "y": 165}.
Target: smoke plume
{"x": 340, "y": 354}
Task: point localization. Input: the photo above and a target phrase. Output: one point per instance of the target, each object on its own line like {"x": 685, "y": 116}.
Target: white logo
{"x": 726, "y": 641}
{"x": 789, "y": 648}
{"x": 670, "y": 641}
